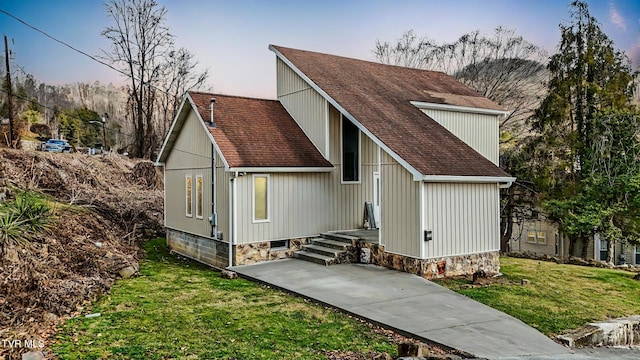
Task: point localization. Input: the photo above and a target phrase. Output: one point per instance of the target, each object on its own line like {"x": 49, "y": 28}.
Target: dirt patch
{"x": 104, "y": 207}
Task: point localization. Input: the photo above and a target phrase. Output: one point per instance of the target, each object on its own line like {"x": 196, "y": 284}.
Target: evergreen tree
{"x": 589, "y": 90}
{"x": 588, "y": 75}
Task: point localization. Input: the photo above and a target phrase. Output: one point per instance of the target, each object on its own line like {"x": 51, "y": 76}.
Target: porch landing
{"x": 370, "y": 236}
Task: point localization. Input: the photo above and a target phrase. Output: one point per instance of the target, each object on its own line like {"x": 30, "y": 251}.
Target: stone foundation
{"x": 435, "y": 268}
{"x": 246, "y": 254}
{"x": 209, "y": 251}
{"x": 216, "y": 253}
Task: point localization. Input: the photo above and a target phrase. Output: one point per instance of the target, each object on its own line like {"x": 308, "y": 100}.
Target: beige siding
{"x": 464, "y": 218}
{"x": 298, "y": 206}
{"x": 348, "y": 207}
{"x": 520, "y": 241}
{"x": 400, "y": 208}
{"x": 477, "y": 130}
{"x": 223, "y": 189}
{"x": 304, "y": 104}
{"x": 191, "y": 155}
{"x": 303, "y": 204}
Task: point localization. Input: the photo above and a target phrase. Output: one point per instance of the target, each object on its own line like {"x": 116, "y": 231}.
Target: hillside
{"x": 103, "y": 208}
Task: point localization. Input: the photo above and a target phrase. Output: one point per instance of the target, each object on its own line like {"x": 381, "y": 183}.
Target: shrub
{"x": 23, "y": 218}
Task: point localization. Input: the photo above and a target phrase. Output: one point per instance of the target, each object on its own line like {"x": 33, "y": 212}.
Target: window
{"x": 531, "y": 236}
{"x": 199, "y": 196}
{"x": 604, "y": 251}
{"x": 189, "y": 196}
{"x": 536, "y": 237}
{"x": 350, "y": 152}
{"x": 260, "y": 198}
{"x": 541, "y": 237}
{"x": 636, "y": 254}
{"x": 280, "y": 245}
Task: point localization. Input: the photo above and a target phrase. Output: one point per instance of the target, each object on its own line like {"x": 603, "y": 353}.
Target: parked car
{"x": 56, "y": 145}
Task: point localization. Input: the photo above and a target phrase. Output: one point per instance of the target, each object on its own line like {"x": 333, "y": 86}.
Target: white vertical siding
{"x": 304, "y": 104}
{"x": 304, "y": 204}
{"x": 223, "y": 179}
{"x": 480, "y": 131}
{"x": 191, "y": 155}
{"x": 299, "y": 206}
{"x": 464, "y": 218}
{"x": 349, "y": 199}
{"x": 400, "y": 208}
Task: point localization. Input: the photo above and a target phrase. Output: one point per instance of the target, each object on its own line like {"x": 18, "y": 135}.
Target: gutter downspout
{"x": 232, "y": 217}
{"x": 214, "y": 213}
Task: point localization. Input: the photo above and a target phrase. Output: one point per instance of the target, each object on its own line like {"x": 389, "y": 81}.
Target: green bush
{"x": 22, "y": 218}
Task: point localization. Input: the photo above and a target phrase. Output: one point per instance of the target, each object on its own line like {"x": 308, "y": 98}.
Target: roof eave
{"x": 172, "y": 135}
{"x": 173, "y": 132}
{"x": 503, "y": 180}
{"x": 465, "y": 109}
{"x": 281, "y": 169}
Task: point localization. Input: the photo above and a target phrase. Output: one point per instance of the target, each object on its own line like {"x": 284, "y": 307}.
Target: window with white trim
{"x": 188, "y": 189}
{"x": 260, "y": 198}
{"x": 604, "y": 250}
{"x": 350, "y": 152}
{"x": 199, "y": 197}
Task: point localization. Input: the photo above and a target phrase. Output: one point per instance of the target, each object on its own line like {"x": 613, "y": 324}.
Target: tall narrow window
{"x": 350, "y": 152}
{"x": 604, "y": 250}
{"x": 189, "y": 195}
{"x": 199, "y": 196}
{"x": 260, "y": 198}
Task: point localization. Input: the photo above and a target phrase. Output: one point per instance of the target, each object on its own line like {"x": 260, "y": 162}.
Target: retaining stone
{"x": 616, "y": 332}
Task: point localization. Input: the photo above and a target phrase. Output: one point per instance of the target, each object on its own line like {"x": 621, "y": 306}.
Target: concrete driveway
{"x": 410, "y": 305}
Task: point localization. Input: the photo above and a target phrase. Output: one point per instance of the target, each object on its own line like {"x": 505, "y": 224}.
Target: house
{"x": 543, "y": 237}
{"x": 249, "y": 180}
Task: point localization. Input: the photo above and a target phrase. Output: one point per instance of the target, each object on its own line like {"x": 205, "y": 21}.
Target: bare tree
{"x": 140, "y": 41}
{"x": 180, "y": 75}
{"x": 503, "y": 67}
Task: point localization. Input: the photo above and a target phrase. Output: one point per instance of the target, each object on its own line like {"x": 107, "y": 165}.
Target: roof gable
{"x": 378, "y": 97}
{"x": 250, "y": 133}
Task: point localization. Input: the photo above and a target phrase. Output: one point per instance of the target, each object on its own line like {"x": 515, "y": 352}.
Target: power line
{"x": 82, "y": 52}
{"x": 63, "y": 43}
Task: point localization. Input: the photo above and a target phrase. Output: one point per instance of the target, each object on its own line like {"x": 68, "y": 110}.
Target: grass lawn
{"x": 559, "y": 297}
{"x": 180, "y": 309}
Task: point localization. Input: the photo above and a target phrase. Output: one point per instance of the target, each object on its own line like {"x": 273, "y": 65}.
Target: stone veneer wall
{"x": 209, "y": 251}
{"x": 437, "y": 267}
{"x": 215, "y": 253}
{"x": 246, "y": 254}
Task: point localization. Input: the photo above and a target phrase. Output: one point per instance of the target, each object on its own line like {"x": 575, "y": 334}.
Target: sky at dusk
{"x": 230, "y": 38}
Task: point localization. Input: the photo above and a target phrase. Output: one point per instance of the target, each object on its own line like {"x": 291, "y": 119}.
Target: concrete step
{"x": 318, "y": 249}
{"x": 328, "y": 243}
{"x": 350, "y": 240}
{"x": 313, "y": 257}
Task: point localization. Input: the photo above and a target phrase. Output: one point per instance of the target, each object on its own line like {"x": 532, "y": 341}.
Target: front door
{"x": 376, "y": 198}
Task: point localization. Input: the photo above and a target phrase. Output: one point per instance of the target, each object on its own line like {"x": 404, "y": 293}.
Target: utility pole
{"x": 9, "y": 94}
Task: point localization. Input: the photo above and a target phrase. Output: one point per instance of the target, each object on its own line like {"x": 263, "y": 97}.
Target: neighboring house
{"x": 538, "y": 237}
{"x": 544, "y": 238}
{"x": 263, "y": 176}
